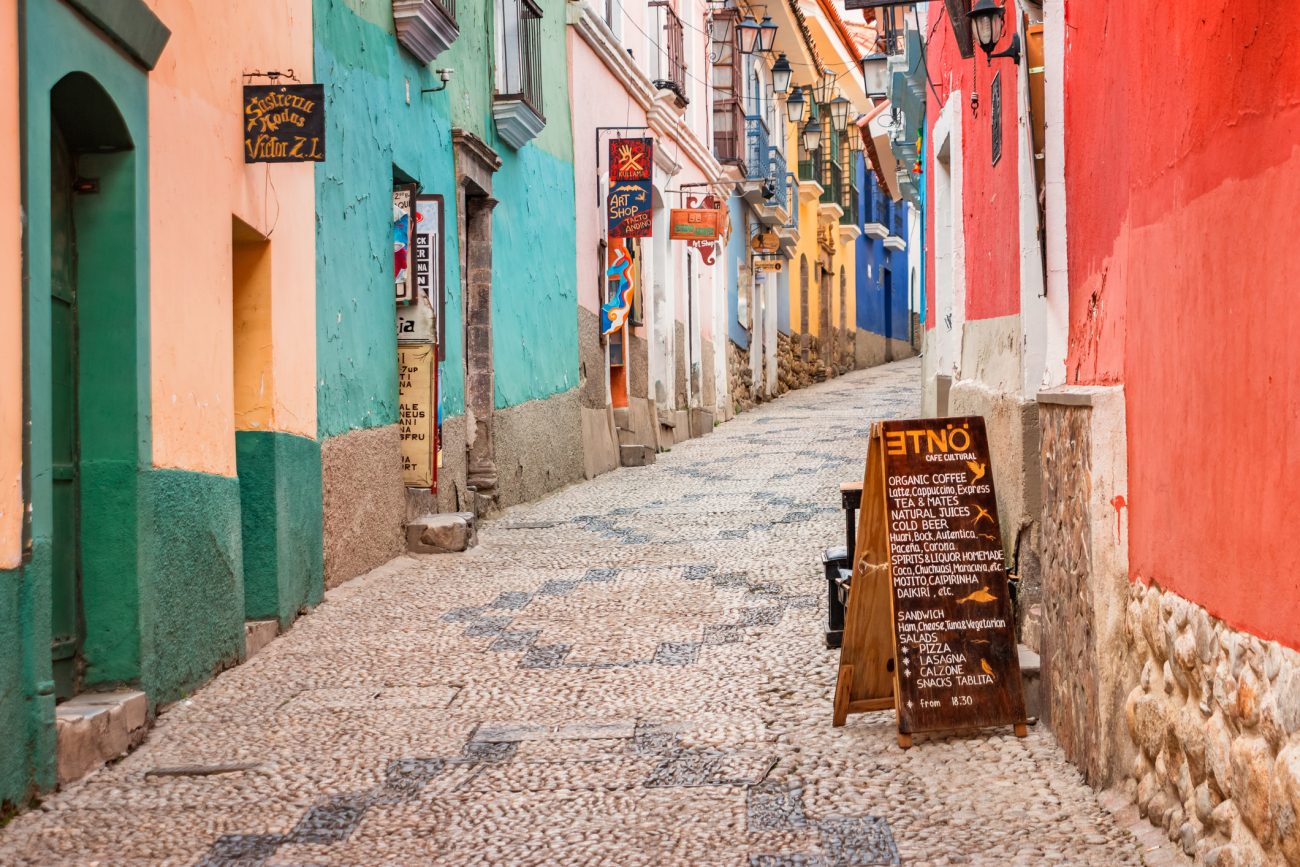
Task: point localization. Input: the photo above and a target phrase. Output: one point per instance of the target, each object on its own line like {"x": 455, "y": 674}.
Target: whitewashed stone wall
{"x": 1216, "y": 717}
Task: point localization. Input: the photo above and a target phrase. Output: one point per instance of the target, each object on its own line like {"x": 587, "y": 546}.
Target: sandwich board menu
{"x": 928, "y": 626}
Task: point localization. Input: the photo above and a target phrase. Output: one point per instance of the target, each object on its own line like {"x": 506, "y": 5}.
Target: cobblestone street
{"x": 631, "y": 671}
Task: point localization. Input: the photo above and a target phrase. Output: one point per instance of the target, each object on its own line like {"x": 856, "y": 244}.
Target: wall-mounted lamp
{"x": 766, "y": 34}
{"x": 812, "y": 136}
{"x": 875, "y": 75}
{"x": 747, "y": 34}
{"x": 986, "y": 28}
{"x": 445, "y": 75}
{"x": 840, "y": 112}
{"x": 781, "y": 72}
{"x": 795, "y": 106}
{"x": 824, "y": 89}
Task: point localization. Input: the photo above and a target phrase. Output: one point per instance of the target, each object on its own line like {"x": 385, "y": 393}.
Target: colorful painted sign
{"x": 694, "y": 224}
{"x": 629, "y": 208}
{"x": 614, "y": 313}
{"x": 416, "y": 404}
{"x": 422, "y": 321}
{"x": 631, "y": 159}
{"x": 765, "y": 241}
{"x": 708, "y": 248}
{"x": 284, "y": 123}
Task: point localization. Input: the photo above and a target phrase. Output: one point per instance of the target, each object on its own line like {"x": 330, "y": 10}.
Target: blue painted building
{"x": 884, "y": 318}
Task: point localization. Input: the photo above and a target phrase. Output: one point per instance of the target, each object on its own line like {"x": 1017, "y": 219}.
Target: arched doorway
{"x": 94, "y": 419}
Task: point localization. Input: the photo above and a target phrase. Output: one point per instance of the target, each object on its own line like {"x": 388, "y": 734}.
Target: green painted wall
{"x": 372, "y": 129}
{"x": 280, "y": 509}
{"x": 192, "y": 584}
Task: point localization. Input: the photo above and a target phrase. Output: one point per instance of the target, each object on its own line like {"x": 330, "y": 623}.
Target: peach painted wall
{"x": 11, "y": 302}
{"x": 198, "y": 182}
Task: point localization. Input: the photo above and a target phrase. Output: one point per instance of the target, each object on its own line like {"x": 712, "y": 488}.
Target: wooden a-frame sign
{"x": 928, "y": 624}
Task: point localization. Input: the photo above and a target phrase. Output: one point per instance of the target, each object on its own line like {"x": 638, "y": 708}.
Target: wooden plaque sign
{"x": 928, "y": 625}
{"x": 284, "y": 123}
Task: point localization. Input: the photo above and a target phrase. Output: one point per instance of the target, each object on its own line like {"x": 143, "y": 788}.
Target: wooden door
{"x": 67, "y": 628}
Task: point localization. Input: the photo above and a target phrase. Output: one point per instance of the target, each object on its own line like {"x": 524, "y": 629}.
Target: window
{"x": 517, "y": 106}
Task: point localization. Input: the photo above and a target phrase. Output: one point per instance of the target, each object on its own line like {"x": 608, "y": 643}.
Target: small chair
{"x": 837, "y": 563}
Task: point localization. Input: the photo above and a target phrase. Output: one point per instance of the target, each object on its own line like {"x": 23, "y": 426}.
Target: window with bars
{"x": 671, "y": 51}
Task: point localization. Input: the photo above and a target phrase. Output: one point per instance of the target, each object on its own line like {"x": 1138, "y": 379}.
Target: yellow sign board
{"x": 415, "y": 378}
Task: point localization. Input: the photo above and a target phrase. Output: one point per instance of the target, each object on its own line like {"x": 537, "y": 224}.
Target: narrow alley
{"x": 630, "y": 671}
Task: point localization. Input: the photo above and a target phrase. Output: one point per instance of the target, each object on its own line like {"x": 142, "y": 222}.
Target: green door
{"x": 66, "y": 624}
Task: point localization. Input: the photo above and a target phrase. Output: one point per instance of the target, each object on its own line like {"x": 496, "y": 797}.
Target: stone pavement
{"x": 630, "y": 672}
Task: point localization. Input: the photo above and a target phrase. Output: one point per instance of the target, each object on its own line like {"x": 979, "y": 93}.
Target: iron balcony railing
{"x": 675, "y": 51}
{"x": 810, "y": 169}
{"x": 728, "y": 127}
{"x": 520, "y": 75}
{"x": 898, "y": 218}
{"x": 777, "y": 172}
{"x": 831, "y": 181}
{"x": 757, "y": 147}
{"x": 849, "y": 202}
{"x": 448, "y": 6}
{"x": 792, "y": 195}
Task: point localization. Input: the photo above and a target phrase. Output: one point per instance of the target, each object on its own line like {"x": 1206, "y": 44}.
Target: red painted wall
{"x": 991, "y": 214}
{"x": 1183, "y": 195}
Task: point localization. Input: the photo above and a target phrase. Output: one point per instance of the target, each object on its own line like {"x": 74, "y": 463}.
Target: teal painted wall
{"x": 371, "y": 129}
{"x": 280, "y": 515}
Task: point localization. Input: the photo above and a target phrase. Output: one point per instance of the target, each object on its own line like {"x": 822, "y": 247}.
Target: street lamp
{"x": 812, "y": 135}
{"x": 795, "y": 106}
{"x": 840, "y": 112}
{"x": 824, "y": 90}
{"x": 781, "y": 72}
{"x": 875, "y": 75}
{"x": 766, "y": 34}
{"x": 747, "y": 33}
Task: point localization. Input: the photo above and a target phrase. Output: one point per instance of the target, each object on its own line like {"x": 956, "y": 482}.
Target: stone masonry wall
{"x": 1216, "y": 715}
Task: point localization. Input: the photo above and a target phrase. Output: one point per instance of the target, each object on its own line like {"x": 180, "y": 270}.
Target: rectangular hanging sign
{"x": 629, "y": 209}
{"x": 631, "y": 159}
{"x": 694, "y": 224}
{"x": 284, "y": 123}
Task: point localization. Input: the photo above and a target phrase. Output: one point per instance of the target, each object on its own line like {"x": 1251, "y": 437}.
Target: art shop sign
{"x": 284, "y": 123}
{"x": 629, "y": 205}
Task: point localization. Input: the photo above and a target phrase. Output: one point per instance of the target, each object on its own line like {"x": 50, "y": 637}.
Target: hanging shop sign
{"x": 631, "y": 173}
{"x": 775, "y": 265}
{"x": 417, "y": 399}
{"x": 631, "y": 159}
{"x": 708, "y": 248}
{"x": 403, "y": 220}
{"x": 284, "y": 123}
{"x": 694, "y": 224}
{"x": 928, "y": 625}
{"x": 619, "y": 274}
{"x": 765, "y": 241}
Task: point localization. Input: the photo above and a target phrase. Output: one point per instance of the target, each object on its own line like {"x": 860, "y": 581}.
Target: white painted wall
{"x": 1056, "y": 314}
{"x": 949, "y": 240}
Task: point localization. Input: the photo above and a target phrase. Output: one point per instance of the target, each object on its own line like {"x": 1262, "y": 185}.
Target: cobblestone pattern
{"x": 629, "y": 672}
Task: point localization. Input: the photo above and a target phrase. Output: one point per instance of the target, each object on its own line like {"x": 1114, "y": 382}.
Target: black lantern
{"x": 747, "y": 34}
{"x": 824, "y": 89}
{"x": 986, "y": 24}
{"x": 812, "y": 136}
{"x": 840, "y": 112}
{"x": 766, "y": 34}
{"x": 795, "y": 106}
{"x": 781, "y": 72}
{"x": 875, "y": 75}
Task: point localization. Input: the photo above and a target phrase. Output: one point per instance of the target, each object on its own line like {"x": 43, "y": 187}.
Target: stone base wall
{"x": 1216, "y": 719}
{"x": 592, "y": 361}
{"x": 795, "y": 367}
{"x": 843, "y": 354}
{"x": 364, "y": 501}
{"x": 538, "y": 447}
{"x": 709, "y": 389}
{"x": 740, "y": 378}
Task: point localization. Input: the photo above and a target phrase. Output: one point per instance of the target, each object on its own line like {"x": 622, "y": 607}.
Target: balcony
{"x": 517, "y": 106}
{"x": 426, "y": 28}
{"x": 849, "y": 202}
{"x": 776, "y": 170}
{"x": 728, "y": 128}
{"x": 674, "y": 49}
{"x": 897, "y": 227}
{"x": 757, "y": 147}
